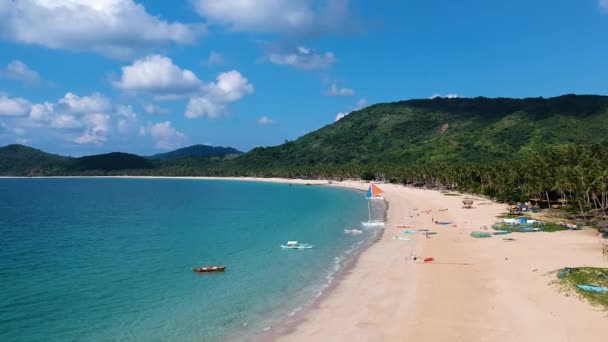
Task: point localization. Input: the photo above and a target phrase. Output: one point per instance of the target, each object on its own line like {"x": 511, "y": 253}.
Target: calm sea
{"x": 110, "y": 259}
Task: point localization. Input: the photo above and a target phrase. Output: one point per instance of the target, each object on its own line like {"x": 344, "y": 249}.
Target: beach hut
{"x": 467, "y": 203}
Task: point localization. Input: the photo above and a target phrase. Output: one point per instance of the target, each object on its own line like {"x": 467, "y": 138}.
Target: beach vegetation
{"x": 569, "y": 278}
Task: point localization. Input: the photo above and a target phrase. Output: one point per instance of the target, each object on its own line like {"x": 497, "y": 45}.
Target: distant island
{"x": 548, "y": 149}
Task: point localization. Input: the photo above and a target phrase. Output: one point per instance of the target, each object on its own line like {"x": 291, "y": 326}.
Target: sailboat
{"x": 373, "y": 193}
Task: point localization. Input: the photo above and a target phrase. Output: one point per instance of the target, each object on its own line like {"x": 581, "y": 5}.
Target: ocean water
{"x": 110, "y": 259}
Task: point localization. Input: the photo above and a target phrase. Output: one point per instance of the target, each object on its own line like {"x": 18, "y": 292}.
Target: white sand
{"x": 477, "y": 290}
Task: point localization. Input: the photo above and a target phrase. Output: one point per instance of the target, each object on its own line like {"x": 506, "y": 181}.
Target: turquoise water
{"x": 110, "y": 259}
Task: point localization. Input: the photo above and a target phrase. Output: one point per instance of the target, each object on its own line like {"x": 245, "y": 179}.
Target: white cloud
{"x": 41, "y": 112}
{"x": 166, "y": 136}
{"x": 603, "y": 5}
{"x": 335, "y": 91}
{"x": 278, "y": 16}
{"x": 155, "y": 109}
{"x": 114, "y": 28}
{"x": 360, "y": 105}
{"x": 303, "y": 58}
{"x": 264, "y": 120}
{"x": 204, "y": 106}
{"x": 84, "y": 104}
{"x": 229, "y": 87}
{"x": 158, "y": 75}
{"x": 23, "y": 141}
{"x": 449, "y": 96}
{"x": 17, "y": 70}
{"x": 13, "y": 106}
{"x": 65, "y": 121}
{"x": 96, "y": 128}
{"x": 215, "y": 58}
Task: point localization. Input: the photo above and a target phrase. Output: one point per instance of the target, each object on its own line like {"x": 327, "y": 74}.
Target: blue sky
{"x": 80, "y": 77}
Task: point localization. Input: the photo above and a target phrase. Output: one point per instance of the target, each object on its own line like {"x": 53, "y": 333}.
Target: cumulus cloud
{"x": 97, "y": 126}
{"x": 278, "y": 16}
{"x": 303, "y": 58}
{"x": 65, "y": 121}
{"x": 229, "y": 87}
{"x": 449, "y": 96}
{"x": 114, "y": 28}
{"x": 334, "y": 90}
{"x": 264, "y": 120}
{"x": 84, "y": 104}
{"x": 166, "y": 136}
{"x": 158, "y": 75}
{"x": 13, "y": 106}
{"x": 17, "y": 70}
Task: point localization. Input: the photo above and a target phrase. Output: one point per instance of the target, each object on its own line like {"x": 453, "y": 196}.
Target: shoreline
{"x": 476, "y": 290}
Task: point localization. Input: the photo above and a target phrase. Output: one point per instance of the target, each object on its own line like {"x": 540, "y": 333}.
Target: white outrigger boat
{"x": 296, "y": 245}
{"x": 373, "y": 224}
{"x": 353, "y": 231}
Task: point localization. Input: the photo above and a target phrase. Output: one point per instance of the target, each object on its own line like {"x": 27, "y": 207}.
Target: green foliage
{"x": 568, "y": 279}
{"x": 110, "y": 162}
{"x": 202, "y": 151}
{"x": 19, "y": 160}
{"x": 444, "y": 130}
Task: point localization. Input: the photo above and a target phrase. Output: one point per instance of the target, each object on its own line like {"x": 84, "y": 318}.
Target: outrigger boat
{"x": 209, "y": 269}
{"x": 296, "y": 245}
{"x": 353, "y": 231}
{"x": 373, "y": 193}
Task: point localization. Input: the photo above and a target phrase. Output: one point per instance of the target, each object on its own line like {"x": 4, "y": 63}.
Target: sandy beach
{"x": 476, "y": 290}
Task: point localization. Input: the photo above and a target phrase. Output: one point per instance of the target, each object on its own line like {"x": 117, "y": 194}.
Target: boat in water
{"x": 353, "y": 231}
{"x": 373, "y": 224}
{"x": 296, "y": 245}
{"x": 209, "y": 269}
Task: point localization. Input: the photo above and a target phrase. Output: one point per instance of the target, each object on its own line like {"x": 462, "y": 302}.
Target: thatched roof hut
{"x": 467, "y": 203}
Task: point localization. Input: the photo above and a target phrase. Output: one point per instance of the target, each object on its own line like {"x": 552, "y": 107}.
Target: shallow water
{"x": 107, "y": 259}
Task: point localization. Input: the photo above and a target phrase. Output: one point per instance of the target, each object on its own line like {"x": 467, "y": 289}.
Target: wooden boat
{"x": 209, "y": 269}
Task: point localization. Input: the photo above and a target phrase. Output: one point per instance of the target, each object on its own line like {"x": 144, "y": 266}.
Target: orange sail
{"x": 374, "y": 190}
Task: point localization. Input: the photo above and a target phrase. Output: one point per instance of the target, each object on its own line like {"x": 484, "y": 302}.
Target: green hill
{"x": 197, "y": 151}
{"x": 19, "y": 160}
{"x": 444, "y": 130}
{"x": 110, "y": 162}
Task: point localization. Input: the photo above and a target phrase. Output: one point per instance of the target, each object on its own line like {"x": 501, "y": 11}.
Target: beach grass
{"x": 568, "y": 280}
{"x": 552, "y": 227}
{"x": 509, "y": 215}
